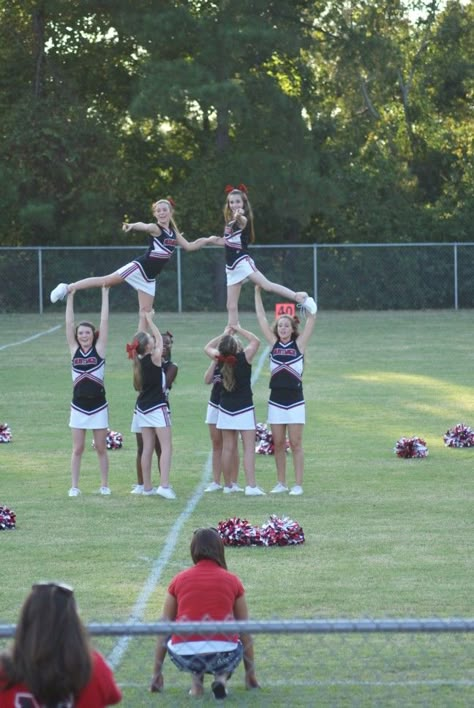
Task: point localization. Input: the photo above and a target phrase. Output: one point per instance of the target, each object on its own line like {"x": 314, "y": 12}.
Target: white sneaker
{"x": 279, "y": 488}
{"x": 296, "y": 491}
{"x": 59, "y": 292}
{"x": 254, "y": 492}
{"x": 310, "y": 305}
{"x": 213, "y": 487}
{"x": 74, "y": 492}
{"x": 137, "y": 489}
{"x": 166, "y": 492}
{"x": 150, "y": 492}
{"x": 228, "y": 490}
{"x": 105, "y": 491}
{"x": 236, "y": 488}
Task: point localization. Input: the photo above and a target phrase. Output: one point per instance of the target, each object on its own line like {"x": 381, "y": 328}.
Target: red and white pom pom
{"x": 459, "y": 436}
{"x": 281, "y": 532}
{"x": 239, "y": 532}
{"x": 114, "y": 441}
{"x": 264, "y": 440}
{"x": 411, "y": 447}
{"x": 5, "y": 433}
{"x": 7, "y": 519}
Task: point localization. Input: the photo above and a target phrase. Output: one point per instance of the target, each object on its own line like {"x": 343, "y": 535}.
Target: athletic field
{"x": 385, "y": 537}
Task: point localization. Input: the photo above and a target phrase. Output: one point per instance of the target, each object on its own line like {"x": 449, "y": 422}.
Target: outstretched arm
{"x": 101, "y": 345}
{"x": 141, "y": 226}
{"x": 262, "y": 318}
{"x": 70, "y": 328}
{"x": 303, "y": 339}
{"x": 194, "y": 245}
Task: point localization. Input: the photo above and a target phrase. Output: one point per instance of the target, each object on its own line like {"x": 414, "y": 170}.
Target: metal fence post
{"x": 456, "y": 292}
{"x": 40, "y": 280}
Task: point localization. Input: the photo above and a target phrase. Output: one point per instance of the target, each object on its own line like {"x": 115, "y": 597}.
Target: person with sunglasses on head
{"x": 240, "y": 267}
{"x": 51, "y": 663}
{"x": 163, "y": 238}
{"x": 206, "y": 591}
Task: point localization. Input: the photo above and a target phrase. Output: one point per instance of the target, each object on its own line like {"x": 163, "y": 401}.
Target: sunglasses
{"x": 62, "y": 587}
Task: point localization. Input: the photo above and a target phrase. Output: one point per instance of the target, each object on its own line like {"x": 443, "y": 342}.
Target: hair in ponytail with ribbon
{"x": 227, "y": 359}
{"x": 135, "y": 351}
{"x": 248, "y": 213}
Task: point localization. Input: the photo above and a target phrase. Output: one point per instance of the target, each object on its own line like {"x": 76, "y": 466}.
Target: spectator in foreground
{"x": 51, "y": 663}
{"x": 206, "y": 591}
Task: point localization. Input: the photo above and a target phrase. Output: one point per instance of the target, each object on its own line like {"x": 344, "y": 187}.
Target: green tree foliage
{"x": 349, "y": 120}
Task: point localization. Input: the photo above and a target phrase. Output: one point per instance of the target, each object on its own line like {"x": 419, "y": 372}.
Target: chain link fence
{"x": 358, "y": 662}
{"x": 342, "y": 277}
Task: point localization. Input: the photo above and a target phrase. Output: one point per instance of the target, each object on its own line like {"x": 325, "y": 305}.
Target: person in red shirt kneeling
{"x": 206, "y": 591}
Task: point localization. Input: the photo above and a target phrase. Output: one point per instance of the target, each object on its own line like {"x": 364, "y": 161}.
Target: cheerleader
{"x": 89, "y": 408}
{"x": 169, "y": 373}
{"x": 240, "y": 267}
{"x": 286, "y": 406}
{"x": 236, "y": 410}
{"x": 152, "y": 414}
{"x": 141, "y": 274}
{"x": 213, "y": 376}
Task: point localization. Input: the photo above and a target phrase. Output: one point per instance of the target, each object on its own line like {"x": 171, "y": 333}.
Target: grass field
{"x": 385, "y": 537}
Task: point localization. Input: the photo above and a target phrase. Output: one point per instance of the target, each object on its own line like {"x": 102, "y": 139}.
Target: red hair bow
{"x": 171, "y": 201}
{"x": 132, "y": 349}
{"x": 241, "y": 188}
{"x": 231, "y": 359}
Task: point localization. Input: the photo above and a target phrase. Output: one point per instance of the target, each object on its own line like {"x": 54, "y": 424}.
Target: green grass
{"x": 384, "y": 536}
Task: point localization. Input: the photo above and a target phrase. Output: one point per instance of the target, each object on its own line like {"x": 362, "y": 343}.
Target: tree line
{"x": 348, "y": 120}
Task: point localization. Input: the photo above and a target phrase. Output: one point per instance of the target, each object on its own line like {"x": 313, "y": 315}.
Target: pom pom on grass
{"x": 411, "y": 447}
{"x": 459, "y": 436}
{"x": 5, "y": 433}
{"x": 7, "y": 519}
{"x": 264, "y": 440}
{"x": 114, "y": 440}
{"x": 275, "y": 532}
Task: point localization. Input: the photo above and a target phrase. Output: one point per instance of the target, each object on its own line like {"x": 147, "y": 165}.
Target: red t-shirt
{"x": 101, "y": 690}
{"x": 205, "y": 592}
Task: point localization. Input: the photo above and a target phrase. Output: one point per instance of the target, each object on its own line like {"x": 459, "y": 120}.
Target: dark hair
{"x": 248, "y": 213}
{"x": 95, "y": 332}
{"x": 294, "y": 326}
{"x": 228, "y": 346}
{"x": 207, "y": 544}
{"x": 51, "y": 652}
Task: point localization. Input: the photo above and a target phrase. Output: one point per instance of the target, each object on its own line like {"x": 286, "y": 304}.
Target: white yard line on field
{"x": 29, "y": 339}
{"x": 159, "y": 565}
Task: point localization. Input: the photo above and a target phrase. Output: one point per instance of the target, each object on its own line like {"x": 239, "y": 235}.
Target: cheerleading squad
{"x": 230, "y": 411}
